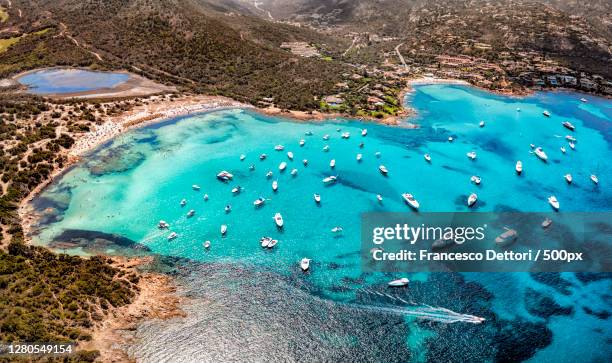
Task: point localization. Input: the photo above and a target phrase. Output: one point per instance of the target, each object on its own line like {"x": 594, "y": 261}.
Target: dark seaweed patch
{"x": 544, "y": 306}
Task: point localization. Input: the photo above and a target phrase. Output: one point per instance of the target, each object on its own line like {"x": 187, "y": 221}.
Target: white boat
{"x": 275, "y": 185}
{"x": 263, "y": 157}
{"x": 278, "y": 219}
{"x": 519, "y": 167}
{"x": 552, "y": 200}
{"x": 359, "y": 157}
{"x": 207, "y": 244}
{"x": 259, "y": 201}
{"x": 225, "y": 175}
{"x": 475, "y": 179}
{"x": 409, "y": 198}
{"x": 317, "y": 198}
{"x": 572, "y": 145}
{"x": 279, "y": 147}
{"x": 570, "y": 138}
{"x": 481, "y": 124}
{"x": 562, "y": 149}
{"x": 205, "y": 197}
{"x": 568, "y": 125}
{"x": 471, "y": 155}
{"x": 383, "y": 170}
{"x": 195, "y": 187}
{"x": 379, "y": 197}
{"x": 337, "y": 229}
{"x": 272, "y": 243}
{"x": 302, "y": 142}
{"x": 265, "y": 241}
{"x": 223, "y": 229}
{"x": 183, "y": 202}
{"x": 546, "y": 223}
{"x": 450, "y": 139}
{"x": 294, "y": 172}
{"x": 330, "y": 179}
{"x": 583, "y": 100}
{"x": 399, "y": 282}
{"x": 290, "y": 155}
{"x": 228, "y": 208}
{"x": 546, "y": 113}
{"x": 242, "y": 157}
{"x": 364, "y": 132}
{"x": 332, "y": 163}
{"x": 308, "y": 133}
{"x": 326, "y": 148}
{"x": 540, "y": 153}
{"x": 518, "y": 109}
{"x": 338, "y": 129}
{"x": 346, "y": 135}
{"x": 191, "y": 213}
{"x": 269, "y": 174}
{"x": 377, "y": 154}
{"x": 305, "y": 162}
{"x": 427, "y": 158}
{"x": 251, "y": 167}
{"x": 594, "y": 179}
{"x": 506, "y": 238}
{"x": 326, "y": 137}
{"x": 568, "y": 178}
{"x": 472, "y": 199}
{"x": 237, "y": 189}
{"x": 282, "y": 166}
{"x": 305, "y": 264}
{"x": 172, "y": 236}
{"x": 532, "y": 145}
{"x": 163, "y": 225}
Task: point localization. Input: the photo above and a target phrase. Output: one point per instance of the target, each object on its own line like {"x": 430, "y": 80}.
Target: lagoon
{"x": 68, "y": 80}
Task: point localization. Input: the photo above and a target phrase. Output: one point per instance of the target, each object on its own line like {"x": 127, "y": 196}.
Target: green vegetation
{"x": 3, "y": 15}
{"x": 5, "y": 43}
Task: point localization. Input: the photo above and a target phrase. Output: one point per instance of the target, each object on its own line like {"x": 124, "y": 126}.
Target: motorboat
{"x": 332, "y": 163}
{"x": 338, "y": 129}
{"x": 302, "y": 142}
{"x": 379, "y": 197}
{"x": 568, "y": 125}
{"x": 450, "y": 139}
{"x": 572, "y": 145}
{"x": 568, "y": 178}
{"x": 163, "y": 225}
{"x": 191, "y": 213}
{"x": 172, "y": 236}
{"x": 377, "y": 154}
{"x": 346, "y": 135}
{"x": 472, "y": 199}
{"x": 518, "y": 109}
{"x": 364, "y": 132}
{"x": 361, "y": 145}
{"x": 317, "y": 198}
{"x": 471, "y": 155}
{"x": 237, "y": 189}
{"x": 427, "y": 158}
{"x": 269, "y": 174}
{"x": 594, "y": 179}
{"x": 265, "y": 241}
{"x": 305, "y": 264}
{"x": 383, "y": 170}
{"x": 205, "y": 197}
{"x": 540, "y": 154}
{"x": 225, "y": 175}
{"x": 399, "y": 282}
{"x": 278, "y": 219}
{"x": 506, "y": 238}
{"x": 290, "y": 155}
{"x": 546, "y": 223}
{"x": 272, "y": 243}
{"x": 251, "y": 167}
{"x": 207, "y": 244}
{"x": 228, "y": 208}
{"x": 532, "y": 146}
{"x": 263, "y": 157}
{"x": 552, "y": 200}
{"x": 305, "y": 162}
{"x": 337, "y": 229}
{"x": 259, "y": 202}
{"x": 570, "y": 138}
{"x": 359, "y": 157}
{"x": 282, "y": 166}
{"x": 583, "y": 100}
{"x": 195, "y": 187}
{"x": 409, "y": 198}
{"x": 330, "y": 179}
{"x": 326, "y": 137}
{"x": 223, "y": 229}
{"x": 475, "y": 179}
{"x": 279, "y": 148}
{"x": 308, "y": 133}
{"x": 326, "y": 148}
{"x": 562, "y": 149}
{"x": 275, "y": 185}
{"x": 546, "y": 113}
{"x": 294, "y": 172}
{"x": 481, "y": 124}
{"x": 183, "y": 202}
{"x": 519, "y": 167}
{"x": 242, "y": 157}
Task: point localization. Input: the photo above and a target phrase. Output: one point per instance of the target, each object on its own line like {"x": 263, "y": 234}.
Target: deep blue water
{"x": 241, "y": 293}
{"x": 64, "y": 80}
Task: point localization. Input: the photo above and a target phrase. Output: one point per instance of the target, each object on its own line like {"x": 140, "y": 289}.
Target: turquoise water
{"x": 60, "y": 80}
{"x": 123, "y": 189}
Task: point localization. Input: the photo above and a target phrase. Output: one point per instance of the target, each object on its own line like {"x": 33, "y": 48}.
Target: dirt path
{"x": 400, "y": 55}
{"x": 76, "y": 42}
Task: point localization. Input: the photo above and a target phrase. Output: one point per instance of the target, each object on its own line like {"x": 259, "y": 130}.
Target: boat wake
{"x": 420, "y": 311}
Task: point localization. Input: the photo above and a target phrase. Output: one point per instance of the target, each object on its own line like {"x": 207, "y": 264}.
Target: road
{"x": 400, "y": 55}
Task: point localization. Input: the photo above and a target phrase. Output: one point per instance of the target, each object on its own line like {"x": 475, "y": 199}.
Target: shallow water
{"x": 125, "y": 188}
{"x": 60, "y": 80}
